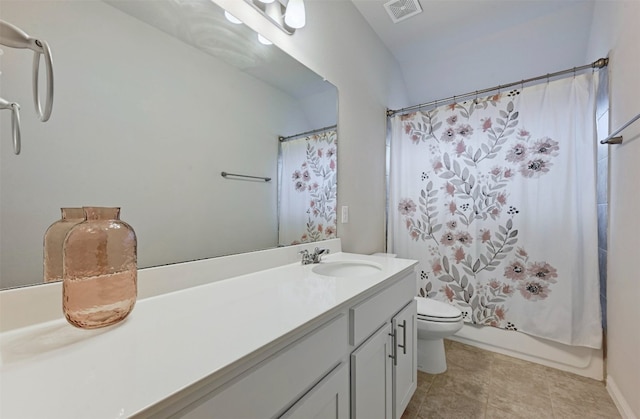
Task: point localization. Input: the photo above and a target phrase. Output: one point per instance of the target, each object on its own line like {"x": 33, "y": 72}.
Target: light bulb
{"x": 267, "y": 1}
{"x": 263, "y": 40}
{"x": 295, "y": 17}
{"x": 231, "y": 18}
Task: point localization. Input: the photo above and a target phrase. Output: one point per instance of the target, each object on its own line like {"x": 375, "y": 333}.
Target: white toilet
{"x": 436, "y": 321}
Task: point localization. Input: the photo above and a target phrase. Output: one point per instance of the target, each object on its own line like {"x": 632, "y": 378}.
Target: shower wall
{"x": 602, "y": 187}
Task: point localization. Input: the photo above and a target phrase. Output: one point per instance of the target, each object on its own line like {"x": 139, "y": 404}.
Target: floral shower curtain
{"x": 307, "y": 189}
{"x": 496, "y": 199}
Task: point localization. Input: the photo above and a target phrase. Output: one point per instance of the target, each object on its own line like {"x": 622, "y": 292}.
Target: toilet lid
{"x": 431, "y": 309}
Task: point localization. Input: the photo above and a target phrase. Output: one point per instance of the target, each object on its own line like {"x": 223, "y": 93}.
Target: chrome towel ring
{"x": 15, "y": 122}
{"x": 43, "y": 115}
{"x": 15, "y": 37}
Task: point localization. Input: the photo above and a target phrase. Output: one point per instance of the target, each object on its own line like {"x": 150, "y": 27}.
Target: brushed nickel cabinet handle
{"x": 404, "y": 336}
{"x": 394, "y": 352}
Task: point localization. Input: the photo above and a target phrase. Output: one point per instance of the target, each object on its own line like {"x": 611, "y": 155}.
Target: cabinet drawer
{"x": 275, "y": 383}
{"x": 368, "y": 315}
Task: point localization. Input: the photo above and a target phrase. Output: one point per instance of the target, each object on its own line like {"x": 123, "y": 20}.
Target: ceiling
{"x": 468, "y": 45}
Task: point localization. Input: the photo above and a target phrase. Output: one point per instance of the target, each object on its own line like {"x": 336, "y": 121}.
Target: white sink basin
{"x": 347, "y": 268}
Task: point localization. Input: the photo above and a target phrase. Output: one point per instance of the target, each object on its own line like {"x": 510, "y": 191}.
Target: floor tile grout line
{"x": 548, "y": 386}
{"x": 486, "y": 405}
{"x": 426, "y": 393}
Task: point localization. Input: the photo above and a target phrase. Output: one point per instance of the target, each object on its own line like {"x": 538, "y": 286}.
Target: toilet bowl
{"x": 436, "y": 321}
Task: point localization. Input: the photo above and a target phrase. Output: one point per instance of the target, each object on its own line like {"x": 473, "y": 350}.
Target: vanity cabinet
{"x": 277, "y": 342}
{"x": 358, "y": 363}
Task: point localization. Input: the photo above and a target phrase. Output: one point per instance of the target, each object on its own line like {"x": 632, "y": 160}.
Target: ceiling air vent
{"x": 402, "y": 9}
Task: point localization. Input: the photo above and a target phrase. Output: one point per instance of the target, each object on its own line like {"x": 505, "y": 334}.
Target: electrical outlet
{"x": 345, "y": 214}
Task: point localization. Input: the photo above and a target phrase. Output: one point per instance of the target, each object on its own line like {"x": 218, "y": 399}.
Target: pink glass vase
{"x": 54, "y": 239}
{"x": 99, "y": 269}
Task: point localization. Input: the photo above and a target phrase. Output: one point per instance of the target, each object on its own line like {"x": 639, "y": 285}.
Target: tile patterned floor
{"x": 481, "y": 384}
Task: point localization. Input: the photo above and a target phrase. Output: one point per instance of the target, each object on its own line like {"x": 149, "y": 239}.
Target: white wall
{"x": 338, "y": 44}
{"x": 489, "y": 51}
{"x": 616, "y": 32}
{"x": 157, "y": 120}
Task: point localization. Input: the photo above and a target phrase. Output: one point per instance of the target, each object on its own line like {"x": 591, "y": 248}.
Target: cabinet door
{"x": 405, "y": 370}
{"x": 371, "y": 377}
{"x": 329, "y": 399}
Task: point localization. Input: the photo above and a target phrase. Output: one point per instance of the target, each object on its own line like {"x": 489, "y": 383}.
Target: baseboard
{"x": 619, "y": 400}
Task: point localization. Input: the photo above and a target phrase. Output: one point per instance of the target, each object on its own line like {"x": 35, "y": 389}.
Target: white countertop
{"x": 168, "y": 342}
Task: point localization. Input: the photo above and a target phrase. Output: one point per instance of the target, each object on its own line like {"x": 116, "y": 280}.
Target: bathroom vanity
{"x": 335, "y": 339}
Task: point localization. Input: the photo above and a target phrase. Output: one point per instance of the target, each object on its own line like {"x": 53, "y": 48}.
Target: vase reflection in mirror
{"x": 99, "y": 269}
{"x": 54, "y": 239}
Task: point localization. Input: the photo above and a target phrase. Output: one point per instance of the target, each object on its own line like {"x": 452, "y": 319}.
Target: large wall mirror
{"x": 153, "y": 100}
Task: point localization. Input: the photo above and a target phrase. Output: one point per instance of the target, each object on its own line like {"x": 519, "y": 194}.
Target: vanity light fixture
{"x": 288, "y": 15}
{"x": 274, "y": 11}
{"x": 263, "y": 40}
{"x": 231, "y": 18}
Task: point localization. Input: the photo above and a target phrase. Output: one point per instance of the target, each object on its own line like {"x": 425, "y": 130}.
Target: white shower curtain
{"x": 496, "y": 198}
{"x": 307, "y": 186}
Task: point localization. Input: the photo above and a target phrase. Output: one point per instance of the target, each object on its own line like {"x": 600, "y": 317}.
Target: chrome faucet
{"x": 315, "y": 257}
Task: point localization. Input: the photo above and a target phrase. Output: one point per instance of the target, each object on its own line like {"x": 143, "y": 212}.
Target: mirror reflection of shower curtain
{"x": 307, "y": 184}
{"x": 496, "y": 198}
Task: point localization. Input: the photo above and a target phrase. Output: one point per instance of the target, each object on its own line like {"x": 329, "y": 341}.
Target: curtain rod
{"x": 313, "y": 131}
{"x": 600, "y": 63}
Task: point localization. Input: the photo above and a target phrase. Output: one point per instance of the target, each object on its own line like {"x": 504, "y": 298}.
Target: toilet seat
{"x": 437, "y": 311}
